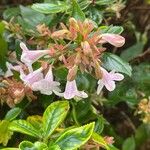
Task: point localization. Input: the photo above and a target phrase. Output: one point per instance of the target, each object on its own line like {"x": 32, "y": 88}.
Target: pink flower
{"x": 108, "y": 80}
{"x": 10, "y": 67}
{"x": 30, "y": 56}
{"x": 47, "y": 85}
{"x": 113, "y": 39}
{"x": 71, "y": 91}
{"x": 32, "y": 77}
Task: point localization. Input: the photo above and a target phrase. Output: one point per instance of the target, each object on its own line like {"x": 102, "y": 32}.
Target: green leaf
{"x": 10, "y": 13}
{"x": 53, "y": 116}
{"x": 3, "y": 47}
{"x": 75, "y": 138}
{"x": 13, "y": 113}
{"x": 54, "y": 147}
{"x": 31, "y": 16}
{"x": 100, "y": 140}
{"x": 35, "y": 121}
{"x": 50, "y": 8}
{"x": 99, "y": 125}
{"x": 25, "y": 145}
{"x": 129, "y": 144}
{"x": 77, "y": 13}
{"x": 10, "y": 149}
{"x": 133, "y": 51}
{"x": 24, "y": 127}
{"x": 5, "y": 133}
{"x": 111, "y": 29}
{"x": 113, "y": 62}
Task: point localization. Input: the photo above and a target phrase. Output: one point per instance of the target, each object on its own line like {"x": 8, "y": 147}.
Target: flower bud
{"x": 86, "y": 48}
{"x": 72, "y": 73}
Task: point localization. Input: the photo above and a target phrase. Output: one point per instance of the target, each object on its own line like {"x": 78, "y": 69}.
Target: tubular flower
{"x": 71, "y": 91}
{"x": 108, "y": 80}
{"x": 47, "y": 85}
{"x": 113, "y": 39}
{"x": 10, "y": 67}
{"x": 32, "y": 77}
{"x": 29, "y": 57}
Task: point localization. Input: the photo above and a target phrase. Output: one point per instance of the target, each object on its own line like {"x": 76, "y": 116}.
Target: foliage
{"x": 78, "y": 60}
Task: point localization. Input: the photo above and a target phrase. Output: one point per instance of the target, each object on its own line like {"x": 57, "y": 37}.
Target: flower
{"x": 47, "y": 85}
{"x": 71, "y": 91}
{"x": 32, "y": 77}
{"x": 113, "y": 39}
{"x": 108, "y": 80}
{"x": 29, "y": 57}
{"x": 10, "y": 67}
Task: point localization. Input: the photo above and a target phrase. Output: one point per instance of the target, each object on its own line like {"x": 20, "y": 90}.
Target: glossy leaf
{"x": 24, "y": 127}
{"x": 114, "y": 62}
{"x": 31, "y": 17}
{"x": 13, "y": 113}
{"x": 111, "y": 29}
{"x": 53, "y": 116}
{"x": 50, "y": 8}
{"x": 11, "y": 12}
{"x": 77, "y": 13}
{"x": 75, "y": 138}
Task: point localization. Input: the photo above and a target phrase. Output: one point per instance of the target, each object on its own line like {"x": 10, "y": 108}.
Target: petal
{"x": 30, "y": 56}
{"x": 110, "y": 85}
{"x": 23, "y": 47}
{"x": 35, "y": 76}
{"x": 116, "y": 76}
{"x": 70, "y": 90}
{"x": 49, "y": 75}
{"x": 100, "y": 86}
{"x": 81, "y": 94}
{"x": 114, "y": 39}
{"x": 43, "y": 86}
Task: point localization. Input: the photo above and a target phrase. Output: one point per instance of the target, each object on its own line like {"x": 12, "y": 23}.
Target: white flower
{"x": 30, "y": 56}
{"x": 32, "y": 77}
{"x": 47, "y": 85}
{"x": 71, "y": 91}
{"x": 10, "y": 67}
{"x": 108, "y": 80}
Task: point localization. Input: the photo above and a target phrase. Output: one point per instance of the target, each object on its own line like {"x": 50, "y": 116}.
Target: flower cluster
{"x": 78, "y": 47}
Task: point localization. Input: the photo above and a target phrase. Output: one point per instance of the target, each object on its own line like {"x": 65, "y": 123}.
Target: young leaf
{"x": 24, "y": 127}
{"x": 53, "y": 116}
{"x": 36, "y": 146}
{"x": 113, "y": 62}
{"x": 100, "y": 140}
{"x": 12, "y": 114}
{"x": 5, "y": 133}
{"x": 77, "y": 13}
{"x": 50, "y": 8}
{"x": 75, "y": 138}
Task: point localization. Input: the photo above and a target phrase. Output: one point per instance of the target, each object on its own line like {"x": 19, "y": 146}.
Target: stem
{"x": 74, "y": 114}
